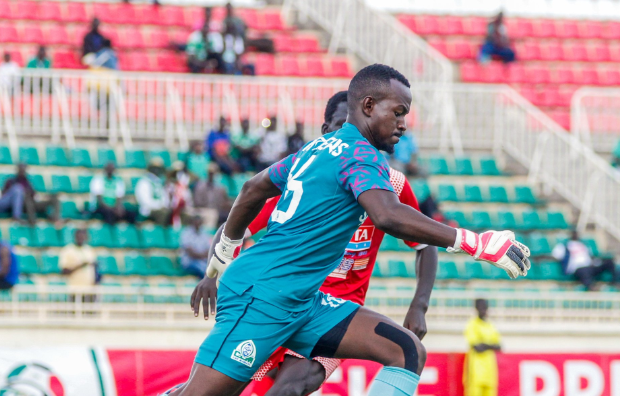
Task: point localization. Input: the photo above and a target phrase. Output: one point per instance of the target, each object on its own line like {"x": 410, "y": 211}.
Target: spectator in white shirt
{"x": 9, "y": 73}
{"x": 153, "y": 201}
{"x": 107, "y": 193}
{"x": 576, "y": 260}
{"x": 273, "y": 144}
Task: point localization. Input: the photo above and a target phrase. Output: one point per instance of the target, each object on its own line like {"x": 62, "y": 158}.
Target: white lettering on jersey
{"x": 334, "y": 145}
{"x": 363, "y": 218}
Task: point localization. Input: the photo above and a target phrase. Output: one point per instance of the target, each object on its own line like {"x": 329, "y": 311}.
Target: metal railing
{"x": 168, "y": 307}
{"x": 122, "y": 107}
{"x": 595, "y": 117}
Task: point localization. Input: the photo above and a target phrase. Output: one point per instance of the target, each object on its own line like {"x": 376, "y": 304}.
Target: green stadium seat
{"x": 472, "y": 193}
{"x": 163, "y": 154}
{"x": 69, "y": 210}
{"x": 399, "y": 269}
{"x": 81, "y": 157}
{"x": 135, "y": 264}
{"x": 46, "y": 236}
{"x": 113, "y": 297}
{"x": 21, "y": 236}
{"x": 524, "y": 194}
{"x": 591, "y": 244}
{"x": 420, "y": 189}
{"x": 556, "y": 220}
{"x": 506, "y": 220}
{"x": 29, "y": 155}
{"x": 131, "y": 186}
{"x": 182, "y": 155}
{"x": 37, "y": 182}
{"x": 447, "y": 192}
{"x": 539, "y": 245}
{"x": 83, "y": 186}
{"x": 56, "y": 156}
{"x": 67, "y": 235}
{"x": 101, "y": 236}
{"x": 153, "y": 236}
{"x": 49, "y": 264}
{"x": 498, "y": 194}
{"x": 438, "y": 166}
{"x": 389, "y": 243}
{"x": 135, "y": 159}
{"x": 488, "y": 167}
{"x": 107, "y": 265}
{"x": 238, "y": 182}
{"x": 473, "y": 270}
{"x": 126, "y": 236}
{"x": 5, "y": 156}
{"x": 376, "y": 271}
{"x": 105, "y": 155}
{"x": 165, "y": 266}
{"x": 481, "y": 220}
{"x": 28, "y": 264}
{"x": 551, "y": 270}
{"x": 463, "y": 166}
{"x": 531, "y": 220}
{"x": 535, "y": 272}
{"x": 61, "y": 184}
{"x": 447, "y": 270}
{"x": 496, "y": 273}
{"x": 173, "y": 239}
{"x": 459, "y": 217}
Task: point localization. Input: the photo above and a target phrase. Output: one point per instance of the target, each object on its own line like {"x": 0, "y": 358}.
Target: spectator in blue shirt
{"x": 496, "y": 42}
{"x": 9, "y": 269}
{"x": 405, "y": 157}
{"x": 218, "y": 147}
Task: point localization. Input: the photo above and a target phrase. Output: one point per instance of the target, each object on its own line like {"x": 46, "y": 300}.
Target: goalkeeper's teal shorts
{"x": 247, "y": 331}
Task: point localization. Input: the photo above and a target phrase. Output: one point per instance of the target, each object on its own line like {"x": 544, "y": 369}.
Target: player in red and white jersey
{"x": 297, "y": 375}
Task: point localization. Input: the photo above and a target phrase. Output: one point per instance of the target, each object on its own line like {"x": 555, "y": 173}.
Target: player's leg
{"x": 297, "y": 377}
{"x": 205, "y": 381}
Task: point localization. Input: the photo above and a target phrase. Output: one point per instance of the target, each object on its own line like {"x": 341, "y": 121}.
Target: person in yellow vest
{"x": 480, "y": 373}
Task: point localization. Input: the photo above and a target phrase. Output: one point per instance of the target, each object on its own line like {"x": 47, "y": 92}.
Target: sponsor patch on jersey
{"x": 332, "y": 301}
{"x": 360, "y": 264}
{"x": 343, "y": 268}
{"x": 245, "y": 353}
{"x": 361, "y": 239}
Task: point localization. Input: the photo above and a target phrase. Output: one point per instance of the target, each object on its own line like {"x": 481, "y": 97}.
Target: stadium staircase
{"x": 144, "y": 34}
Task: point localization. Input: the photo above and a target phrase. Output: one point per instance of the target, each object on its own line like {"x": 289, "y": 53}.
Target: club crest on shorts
{"x": 245, "y": 353}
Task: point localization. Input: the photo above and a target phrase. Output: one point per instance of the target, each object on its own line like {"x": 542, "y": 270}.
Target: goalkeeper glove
{"x": 223, "y": 255}
{"x": 495, "y": 247}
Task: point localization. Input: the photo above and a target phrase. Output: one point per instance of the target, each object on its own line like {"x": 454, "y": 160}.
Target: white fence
{"x": 170, "y": 107}
{"x": 595, "y": 117}
{"x": 159, "y": 308}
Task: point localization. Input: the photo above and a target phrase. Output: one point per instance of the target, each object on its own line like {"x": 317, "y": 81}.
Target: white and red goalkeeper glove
{"x": 496, "y": 247}
{"x": 223, "y": 255}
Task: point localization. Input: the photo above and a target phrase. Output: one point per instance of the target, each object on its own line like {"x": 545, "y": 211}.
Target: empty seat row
{"x": 503, "y": 219}
{"x": 463, "y": 166}
{"x": 427, "y": 25}
{"x": 492, "y": 193}
{"x": 132, "y": 14}
{"x": 119, "y": 236}
{"x": 291, "y": 65}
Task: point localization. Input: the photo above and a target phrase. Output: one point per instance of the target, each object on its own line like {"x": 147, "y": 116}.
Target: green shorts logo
{"x": 245, "y": 353}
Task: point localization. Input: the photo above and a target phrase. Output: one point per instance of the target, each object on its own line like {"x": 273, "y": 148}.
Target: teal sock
{"x": 394, "y": 381}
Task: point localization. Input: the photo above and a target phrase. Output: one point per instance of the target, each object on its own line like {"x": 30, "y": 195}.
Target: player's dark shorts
{"x": 247, "y": 331}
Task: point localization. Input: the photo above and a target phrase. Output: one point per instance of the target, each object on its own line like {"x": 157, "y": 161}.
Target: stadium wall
{"x": 62, "y": 371}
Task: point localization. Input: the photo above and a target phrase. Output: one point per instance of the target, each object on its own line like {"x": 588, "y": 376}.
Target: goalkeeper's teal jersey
{"x": 313, "y": 221}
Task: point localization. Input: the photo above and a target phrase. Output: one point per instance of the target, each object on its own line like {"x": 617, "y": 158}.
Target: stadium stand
{"x": 144, "y": 34}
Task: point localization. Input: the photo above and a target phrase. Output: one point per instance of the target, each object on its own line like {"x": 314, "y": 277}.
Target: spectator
{"x": 480, "y": 372}
{"x": 177, "y": 187}
{"x": 40, "y": 60}
{"x": 153, "y": 202}
{"x": 211, "y": 200}
{"x": 577, "y": 261}
{"x": 218, "y": 147}
{"x": 195, "y": 243}
{"x": 9, "y": 266}
{"x": 202, "y": 54}
{"x": 296, "y": 139}
{"x": 196, "y": 160}
{"x": 12, "y": 200}
{"x": 405, "y": 156}
{"x": 245, "y": 146}
{"x": 232, "y": 47}
{"x": 234, "y": 23}
{"x": 106, "y": 57}
{"x": 496, "y": 42}
{"x": 93, "y": 41}
{"x": 78, "y": 262}
{"x": 107, "y": 193}
{"x": 9, "y": 73}
{"x": 272, "y": 146}
{"x": 20, "y": 186}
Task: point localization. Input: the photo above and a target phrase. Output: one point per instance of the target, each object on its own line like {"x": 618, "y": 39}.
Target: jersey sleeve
{"x": 407, "y": 197}
{"x": 262, "y": 219}
{"x": 364, "y": 168}
{"x": 279, "y": 171}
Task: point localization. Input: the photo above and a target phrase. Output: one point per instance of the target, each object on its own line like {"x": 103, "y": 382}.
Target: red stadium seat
{"x": 598, "y": 52}
{"x": 610, "y": 77}
{"x": 250, "y": 17}
{"x": 171, "y": 16}
{"x": 408, "y": 20}
{"x": 562, "y": 117}
{"x": 567, "y": 29}
{"x": 148, "y": 15}
{"x": 427, "y": 24}
{"x": 537, "y": 74}
{"x": 614, "y": 52}
{"x": 493, "y": 73}
{"x": 66, "y": 60}
{"x": 590, "y": 29}
{"x": 563, "y": 75}
{"x": 78, "y": 32}
{"x": 589, "y": 77}
{"x": 340, "y": 67}
{"x": 440, "y": 45}
{"x": 32, "y": 34}
{"x": 470, "y": 72}
{"x": 289, "y": 66}
{"x": 171, "y": 62}
{"x": 131, "y": 38}
{"x": 552, "y": 51}
{"x": 57, "y": 35}
{"x": 461, "y": 50}
{"x": 284, "y": 43}
{"x": 575, "y": 52}
{"x": 516, "y": 73}
{"x": 5, "y": 10}
{"x": 475, "y": 26}
{"x": 529, "y": 93}
{"x": 272, "y": 20}
{"x": 529, "y": 50}
{"x": 8, "y": 34}
{"x": 75, "y": 12}
{"x": 519, "y": 28}
{"x": 17, "y": 57}
{"x": 48, "y": 11}
{"x": 544, "y": 29}
{"x": 307, "y": 43}
{"x": 264, "y": 64}
{"x": 158, "y": 38}
{"x": 549, "y": 96}
{"x": 135, "y": 61}
{"x": 451, "y": 26}
{"x": 611, "y": 31}
{"x": 105, "y": 12}
{"x": 314, "y": 67}
{"x": 24, "y": 9}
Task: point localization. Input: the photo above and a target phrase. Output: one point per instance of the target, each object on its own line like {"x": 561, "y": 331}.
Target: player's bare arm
{"x": 426, "y": 269}
{"x": 206, "y": 289}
